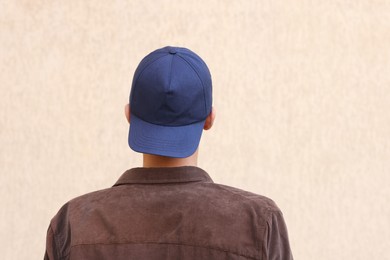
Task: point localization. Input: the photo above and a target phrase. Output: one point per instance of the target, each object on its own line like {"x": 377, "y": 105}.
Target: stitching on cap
{"x": 170, "y": 75}
{"x": 147, "y": 65}
{"x": 161, "y": 124}
{"x": 201, "y": 81}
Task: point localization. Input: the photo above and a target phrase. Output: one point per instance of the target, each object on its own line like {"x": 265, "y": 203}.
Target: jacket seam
{"x": 268, "y": 208}
{"x": 166, "y": 243}
{"x": 269, "y": 211}
{"x": 56, "y": 243}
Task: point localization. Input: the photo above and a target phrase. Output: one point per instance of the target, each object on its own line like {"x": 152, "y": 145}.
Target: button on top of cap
{"x": 172, "y": 51}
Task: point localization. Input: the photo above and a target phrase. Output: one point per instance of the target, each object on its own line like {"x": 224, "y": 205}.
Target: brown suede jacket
{"x": 168, "y": 213}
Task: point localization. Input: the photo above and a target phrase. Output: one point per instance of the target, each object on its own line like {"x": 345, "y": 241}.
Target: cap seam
{"x": 156, "y": 145}
{"x": 201, "y": 81}
{"x": 170, "y": 76}
{"x": 167, "y": 125}
{"x": 141, "y": 73}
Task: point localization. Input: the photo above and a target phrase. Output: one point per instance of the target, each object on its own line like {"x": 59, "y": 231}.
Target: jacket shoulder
{"x": 248, "y": 197}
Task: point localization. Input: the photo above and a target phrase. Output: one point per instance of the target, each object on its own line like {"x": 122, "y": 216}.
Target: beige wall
{"x": 301, "y": 90}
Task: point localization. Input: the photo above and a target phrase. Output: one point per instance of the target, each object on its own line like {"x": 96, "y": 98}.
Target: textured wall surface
{"x": 301, "y": 90}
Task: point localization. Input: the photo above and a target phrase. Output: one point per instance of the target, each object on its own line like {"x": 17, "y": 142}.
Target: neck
{"x": 150, "y": 160}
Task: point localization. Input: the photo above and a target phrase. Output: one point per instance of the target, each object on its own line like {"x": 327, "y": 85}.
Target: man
{"x": 169, "y": 208}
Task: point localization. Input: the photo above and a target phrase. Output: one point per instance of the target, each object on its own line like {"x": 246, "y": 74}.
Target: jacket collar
{"x": 163, "y": 175}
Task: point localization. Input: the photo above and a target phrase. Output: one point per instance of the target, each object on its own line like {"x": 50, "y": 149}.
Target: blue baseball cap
{"x": 170, "y": 99}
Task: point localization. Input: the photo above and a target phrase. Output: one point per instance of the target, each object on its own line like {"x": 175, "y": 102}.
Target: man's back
{"x": 169, "y": 209}
{"x": 168, "y": 213}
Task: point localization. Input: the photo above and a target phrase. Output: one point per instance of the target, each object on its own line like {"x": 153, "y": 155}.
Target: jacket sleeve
{"x": 277, "y": 242}
{"x": 51, "y": 251}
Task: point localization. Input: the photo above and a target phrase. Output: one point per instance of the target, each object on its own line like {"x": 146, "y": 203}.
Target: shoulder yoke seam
{"x": 167, "y": 243}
